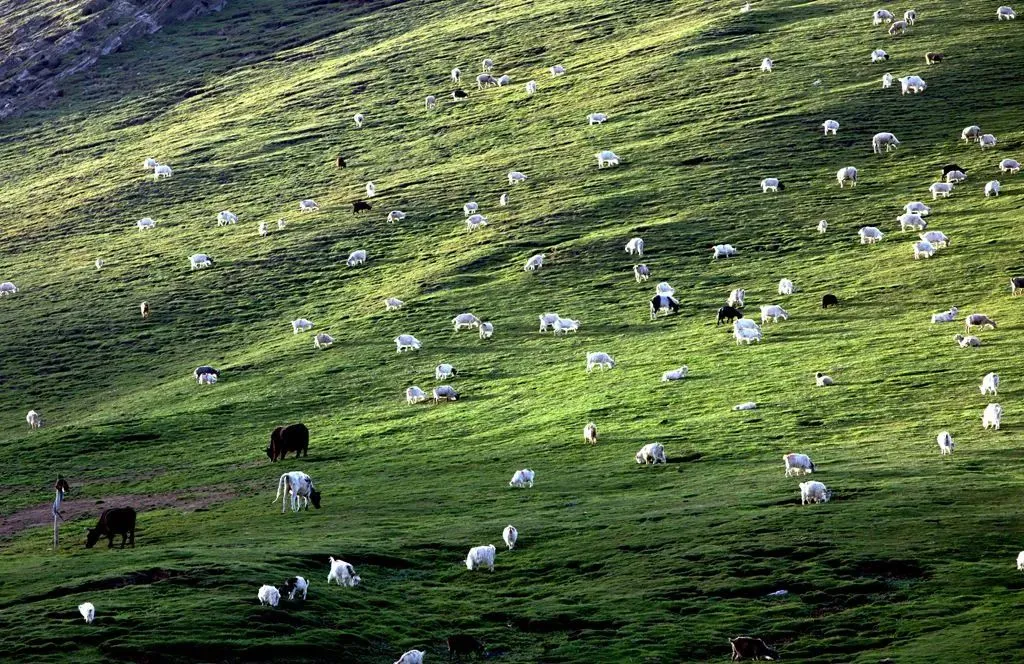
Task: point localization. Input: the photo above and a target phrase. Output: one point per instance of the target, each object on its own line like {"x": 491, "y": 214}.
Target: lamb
{"x": 675, "y": 374}
{"x": 34, "y": 419}
{"x": 199, "y": 261}
{"x": 465, "y": 321}
{"x": 566, "y": 325}
{"x": 531, "y": 87}
{"x": 263, "y": 229}
{"x": 822, "y": 226}
{"x": 322, "y": 341}
{"x": 979, "y": 320}
{"x": 294, "y": 586}
{"x": 479, "y": 556}
{"x": 547, "y": 320}
{"x": 1011, "y": 166}
{"x": 597, "y": 118}
{"x": 798, "y": 464}
{"x": 886, "y": 80}
{"x": 990, "y": 383}
{"x": 882, "y": 16}
{"x": 917, "y": 207}
{"x": 987, "y": 141}
{"x": 510, "y": 535}
{"x": 956, "y": 177}
{"x": 736, "y": 297}
{"x": 773, "y": 312}
{"x": 8, "y": 288}
{"x": 814, "y": 492}
{"x": 607, "y": 158}
{"x": 913, "y": 221}
{"x": 392, "y": 304}
{"x": 923, "y": 249}
{"x": 414, "y": 395}
{"x": 945, "y": 316}
{"x": 766, "y": 65}
{"x": 411, "y": 657}
{"x": 487, "y": 330}
{"x": 1005, "y": 13}
{"x": 910, "y": 16}
{"x": 940, "y": 188}
{"x": 870, "y": 235}
{"x": 342, "y": 573}
{"x": 746, "y": 334}
{"x": 150, "y": 163}
{"x": 641, "y": 272}
{"x": 771, "y": 184}
{"x": 602, "y": 360}
{"x": 522, "y": 478}
{"x": 162, "y": 171}
{"x": 444, "y": 393}
{"x": 898, "y": 27}
{"x": 301, "y": 325}
{"x": 371, "y": 190}
{"x": 830, "y": 126}
{"x": 475, "y": 221}
{"x": 395, "y": 215}
{"x": 932, "y": 58}
{"x": 651, "y": 453}
{"x": 407, "y": 342}
{"x": 883, "y": 139}
{"x": 945, "y": 442}
{"x": 268, "y": 595}
{"x": 992, "y": 417}
{"x": 878, "y": 55}
{"x": 483, "y": 80}
{"x": 968, "y": 341}
{"x": 357, "y": 257}
{"x": 87, "y": 610}
{"x": 308, "y": 205}
{"x": 456, "y": 75}
{"x": 821, "y": 380}
{"x": 724, "y": 250}
{"x": 515, "y": 177}
{"x": 635, "y": 246}
{"x": 557, "y": 70}
{"x": 146, "y": 224}
{"x": 847, "y": 174}
{"x": 534, "y": 263}
{"x": 443, "y": 371}
{"x": 208, "y": 379}
{"x": 430, "y": 102}
{"x": 992, "y": 188}
{"x": 358, "y": 119}
{"x": 504, "y": 80}
{"x": 590, "y": 433}
{"x": 785, "y": 287}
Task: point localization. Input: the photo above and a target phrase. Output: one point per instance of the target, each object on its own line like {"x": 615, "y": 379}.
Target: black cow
{"x": 464, "y": 644}
{"x": 748, "y": 647}
{"x": 340, "y": 162}
{"x": 291, "y": 438}
{"x": 949, "y": 168}
{"x": 829, "y": 300}
{"x": 459, "y": 94}
{"x": 361, "y": 206}
{"x": 115, "y": 521}
{"x": 729, "y": 314}
{"x": 662, "y": 302}
{"x": 205, "y": 369}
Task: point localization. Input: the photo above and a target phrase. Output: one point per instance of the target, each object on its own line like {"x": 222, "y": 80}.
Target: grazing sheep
{"x": 661, "y": 303}
{"x": 411, "y": 657}
{"x": 358, "y": 118}
{"x": 992, "y": 418}
{"x": 100, "y": 263}
{"x": 822, "y": 226}
{"x": 941, "y": 188}
{"x": 444, "y": 393}
{"x": 910, "y": 16}
{"x": 87, "y": 610}
{"x": 407, "y": 342}
{"x": 949, "y": 168}
{"x": 548, "y": 320}
{"x": 971, "y": 133}
{"x": 465, "y": 321}
{"x": 487, "y": 64}
{"x": 912, "y": 221}
{"x": 459, "y": 95}
{"x": 34, "y": 419}
{"x": 357, "y": 257}
{"x": 200, "y": 261}
{"x": 150, "y": 163}
{"x": 557, "y": 70}
{"x": 746, "y": 405}
{"x": 885, "y": 140}
{"x": 342, "y": 573}
{"x": 968, "y": 341}
{"x": 486, "y": 330}
{"x": 430, "y": 102}
{"x": 772, "y": 184}
{"x": 945, "y": 316}
{"x": 1011, "y": 166}
{"x": 602, "y": 360}
{"x": 979, "y": 320}
{"x": 590, "y": 433}
{"x": 565, "y": 325}
{"x": 635, "y": 246}
{"x": 736, "y": 297}
{"x": 531, "y": 87}
{"x": 814, "y": 492}
{"x": 675, "y": 374}
{"x": 887, "y": 80}
{"x": 456, "y": 75}
{"x": 371, "y": 190}
{"x": 898, "y": 27}
{"x": 503, "y": 200}
{"x": 444, "y": 371}
{"x": 829, "y": 300}
{"x": 597, "y": 118}
{"x": 484, "y": 80}
{"x": 724, "y": 250}
{"x": 1005, "y": 13}
{"x": 510, "y": 535}
{"x": 607, "y": 158}
{"x": 913, "y": 84}
{"x": 882, "y": 16}
{"x": 470, "y": 207}
{"x": 651, "y": 453}
{"x": 395, "y": 215}
{"x": 830, "y": 126}
{"x": 956, "y": 177}
{"x": 522, "y": 478}
{"x": 322, "y": 341}
{"x": 798, "y": 464}
{"x": 144, "y": 309}
{"x": 392, "y": 304}
{"x": 746, "y": 334}
{"x": 879, "y": 55}
{"x": 480, "y": 556}
{"x": 821, "y": 380}
{"x": 301, "y": 325}
{"x": 414, "y": 395}
{"x": 361, "y": 206}
{"x": 1016, "y": 286}
{"x": 515, "y": 177}
{"x": 641, "y": 272}
{"x": 263, "y": 229}
{"x": 226, "y": 218}
{"x": 767, "y": 64}
{"x": 534, "y": 263}
{"x": 923, "y": 249}
{"x": 162, "y": 171}
{"x": 870, "y": 235}
{"x": 773, "y": 312}
{"x": 7, "y": 288}
{"x": 504, "y": 80}
{"x": 917, "y": 207}
{"x": 847, "y": 174}
{"x": 268, "y": 595}
{"x": 208, "y": 379}
{"x": 146, "y": 224}
{"x": 727, "y": 314}
{"x": 990, "y": 383}
{"x": 987, "y": 141}
{"x": 945, "y": 442}
{"x": 992, "y": 188}
{"x": 294, "y": 586}
{"x": 785, "y": 287}
{"x": 932, "y": 58}
{"x": 664, "y": 288}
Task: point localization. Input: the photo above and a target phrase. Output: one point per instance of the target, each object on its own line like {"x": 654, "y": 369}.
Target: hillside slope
{"x": 912, "y": 559}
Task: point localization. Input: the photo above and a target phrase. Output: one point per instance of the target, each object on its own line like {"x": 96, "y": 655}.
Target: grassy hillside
{"x": 914, "y": 557}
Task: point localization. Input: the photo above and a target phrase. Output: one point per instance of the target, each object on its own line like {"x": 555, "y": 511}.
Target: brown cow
{"x": 291, "y": 438}
{"x": 115, "y": 521}
{"x": 748, "y": 647}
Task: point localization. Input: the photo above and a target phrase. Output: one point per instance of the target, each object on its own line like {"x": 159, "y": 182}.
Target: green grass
{"x": 617, "y": 563}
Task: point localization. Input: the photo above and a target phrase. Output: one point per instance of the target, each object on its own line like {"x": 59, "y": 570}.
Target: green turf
{"x": 913, "y": 559}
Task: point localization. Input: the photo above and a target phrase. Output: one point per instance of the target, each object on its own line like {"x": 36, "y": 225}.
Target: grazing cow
{"x": 814, "y": 492}
{"x": 299, "y": 487}
{"x": 748, "y": 647}
{"x": 342, "y": 574}
{"x": 205, "y": 369}
{"x": 480, "y": 556}
{"x": 88, "y": 611}
{"x": 522, "y": 478}
{"x": 992, "y": 417}
{"x": 510, "y": 535}
{"x": 651, "y": 453}
{"x": 945, "y": 442}
{"x": 268, "y": 595}
{"x": 411, "y": 657}
{"x": 290, "y": 438}
{"x": 464, "y": 644}
{"x": 661, "y": 303}
{"x": 728, "y": 314}
{"x": 829, "y": 300}
{"x": 294, "y": 586}
{"x": 114, "y": 521}
{"x": 34, "y": 419}
{"x": 361, "y": 206}
{"x": 797, "y": 464}
{"x": 590, "y": 433}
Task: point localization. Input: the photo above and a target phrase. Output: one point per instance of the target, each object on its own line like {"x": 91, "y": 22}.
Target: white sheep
{"x": 723, "y": 251}
{"x": 822, "y": 226}
{"x": 34, "y": 419}
{"x": 607, "y": 158}
{"x": 557, "y": 70}
{"x": 945, "y": 316}
{"x": 821, "y": 380}
{"x": 898, "y": 27}
{"x": 548, "y": 320}
{"x": 771, "y": 184}
{"x": 263, "y": 229}
{"x": 940, "y": 189}
{"x": 785, "y": 287}
{"x": 7, "y": 288}
{"x": 444, "y": 393}
{"x": 1005, "y": 13}
{"x": 910, "y": 16}
{"x": 510, "y": 535}
{"x": 938, "y": 238}
{"x": 207, "y": 379}
{"x": 444, "y": 371}
{"x": 913, "y": 84}
{"x": 162, "y": 171}
{"x": 515, "y": 177}
{"x": 746, "y": 405}
{"x": 301, "y": 325}
{"x": 879, "y": 55}
{"x": 100, "y": 263}
{"x": 830, "y": 126}
{"x": 281, "y": 224}
{"x": 641, "y": 272}
{"x": 913, "y": 221}
{"x": 522, "y": 478}
{"x": 465, "y": 321}
{"x": 483, "y": 80}
{"x": 471, "y": 207}
{"x": 971, "y": 133}
{"x": 664, "y": 288}
{"x": 675, "y": 374}
{"x": 358, "y": 118}
{"x": 767, "y": 64}
{"x": 746, "y": 334}
{"x": 226, "y": 218}
{"x": 992, "y": 188}
{"x": 923, "y": 249}
{"x": 651, "y": 453}
{"x": 883, "y": 139}
{"x": 847, "y": 174}
{"x": 308, "y": 205}
{"x": 602, "y": 360}
{"x": 504, "y": 80}
{"x": 881, "y": 16}
{"x": 992, "y": 418}
{"x": 430, "y": 102}
{"x": 199, "y": 261}
{"x": 150, "y": 163}
{"x": 987, "y": 141}
{"x": 956, "y": 177}
{"x": 411, "y": 657}
{"x": 590, "y": 433}
{"x": 357, "y": 257}
{"x": 322, "y": 341}
{"x": 414, "y": 395}
{"x": 486, "y": 330}
{"x": 371, "y": 190}
{"x": 87, "y": 609}
{"x": 407, "y": 342}
{"x": 1011, "y": 166}
{"x": 531, "y": 87}
{"x": 773, "y": 312}
{"x": 917, "y": 207}
{"x": 887, "y": 80}
{"x": 990, "y": 383}
{"x": 456, "y": 75}
{"x": 597, "y": 118}
{"x": 565, "y": 325}
{"x": 635, "y": 246}
{"x": 736, "y": 297}
{"x": 967, "y": 342}
{"x": 870, "y": 235}
{"x": 395, "y": 215}
{"x": 503, "y": 200}
{"x": 392, "y": 304}
{"x": 146, "y": 224}
{"x": 534, "y": 263}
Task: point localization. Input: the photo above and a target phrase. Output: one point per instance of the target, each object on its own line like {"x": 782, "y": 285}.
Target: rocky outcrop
{"x": 42, "y": 48}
